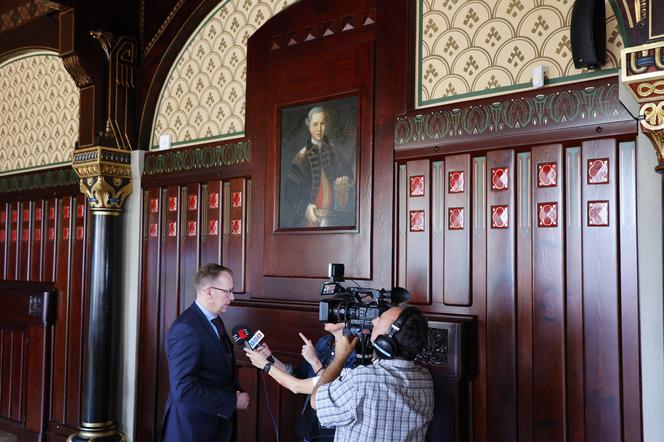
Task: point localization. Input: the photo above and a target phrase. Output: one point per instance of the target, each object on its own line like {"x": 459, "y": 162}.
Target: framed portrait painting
{"x": 318, "y": 159}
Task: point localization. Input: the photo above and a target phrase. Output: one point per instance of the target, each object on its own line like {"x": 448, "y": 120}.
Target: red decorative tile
{"x": 154, "y": 205}
{"x": 500, "y": 217}
{"x": 547, "y": 214}
{"x": 26, "y": 215}
{"x": 51, "y": 213}
{"x": 66, "y": 212}
{"x": 214, "y": 227}
{"x": 598, "y": 171}
{"x": 547, "y": 175}
{"x": 417, "y": 185}
{"x": 236, "y": 227}
{"x": 237, "y": 199}
{"x": 26, "y": 234}
{"x": 172, "y": 203}
{"x": 13, "y": 235}
{"x": 417, "y": 220}
{"x": 154, "y": 230}
{"x": 79, "y": 232}
{"x": 38, "y": 214}
{"x": 65, "y": 233}
{"x": 214, "y": 200}
{"x": 51, "y": 233}
{"x": 193, "y": 202}
{"x": 598, "y": 213}
{"x": 38, "y": 235}
{"x": 500, "y": 178}
{"x": 80, "y": 210}
{"x": 455, "y": 181}
{"x": 172, "y": 228}
{"x": 455, "y": 218}
{"x": 14, "y": 216}
{"x": 191, "y": 228}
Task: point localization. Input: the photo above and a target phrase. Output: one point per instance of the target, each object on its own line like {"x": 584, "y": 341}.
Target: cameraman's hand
{"x": 310, "y": 215}
{"x": 343, "y": 346}
{"x": 309, "y": 353}
{"x": 257, "y": 359}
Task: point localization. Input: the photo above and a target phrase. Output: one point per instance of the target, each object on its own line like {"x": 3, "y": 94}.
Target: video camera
{"x": 356, "y": 307}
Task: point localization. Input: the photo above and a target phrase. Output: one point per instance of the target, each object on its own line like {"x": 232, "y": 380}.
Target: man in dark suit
{"x": 204, "y": 393}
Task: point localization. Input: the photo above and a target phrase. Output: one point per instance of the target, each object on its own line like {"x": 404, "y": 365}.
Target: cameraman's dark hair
{"x": 208, "y": 273}
{"x": 412, "y": 337}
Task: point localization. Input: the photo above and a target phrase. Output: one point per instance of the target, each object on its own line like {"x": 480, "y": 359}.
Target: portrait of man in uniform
{"x": 318, "y": 165}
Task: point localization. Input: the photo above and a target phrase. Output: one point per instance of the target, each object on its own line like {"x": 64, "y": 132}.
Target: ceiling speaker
{"x": 588, "y": 34}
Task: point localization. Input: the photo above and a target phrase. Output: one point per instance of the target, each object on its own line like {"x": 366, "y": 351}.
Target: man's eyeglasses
{"x": 226, "y": 291}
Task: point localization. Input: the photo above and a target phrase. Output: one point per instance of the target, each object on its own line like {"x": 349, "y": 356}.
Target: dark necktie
{"x": 219, "y": 325}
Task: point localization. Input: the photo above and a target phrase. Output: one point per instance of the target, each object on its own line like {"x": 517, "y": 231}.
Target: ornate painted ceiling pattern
{"x": 204, "y": 95}
{"x": 474, "y": 48}
{"x": 38, "y": 112}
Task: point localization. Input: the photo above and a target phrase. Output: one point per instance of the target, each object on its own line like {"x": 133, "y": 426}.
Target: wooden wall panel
{"x": 548, "y": 315}
{"x": 629, "y": 295}
{"x": 48, "y": 242}
{"x": 13, "y": 243}
{"x": 189, "y": 223}
{"x": 438, "y": 230}
{"x": 418, "y": 215}
{"x": 457, "y": 234}
{"x": 25, "y": 241}
{"x": 36, "y": 238}
{"x": 600, "y": 291}
{"x": 235, "y": 253}
{"x": 4, "y": 234}
{"x": 211, "y": 226}
{"x": 574, "y": 347}
{"x": 500, "y": 281}
{"x": 524, "y": 305}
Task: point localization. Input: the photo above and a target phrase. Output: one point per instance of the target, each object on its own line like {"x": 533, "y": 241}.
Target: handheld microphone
{"x": 244, "y": 335}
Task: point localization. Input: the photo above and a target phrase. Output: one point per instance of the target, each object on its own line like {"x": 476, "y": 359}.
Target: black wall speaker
{"x": 588, "y": 33}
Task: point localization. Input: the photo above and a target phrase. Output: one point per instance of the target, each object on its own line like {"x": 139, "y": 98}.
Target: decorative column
{"x": 643, "y": 72}
{"x": 103, "y": 66}
{"x": 105, "y": 175}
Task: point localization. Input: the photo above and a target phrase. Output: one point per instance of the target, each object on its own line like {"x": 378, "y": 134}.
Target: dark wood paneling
{"x": 574, "y": 347}
{"x": 212, "y": 226}
{"x": 501, "y": 320}
{"x": 418, "y": 233}
{"x": 13, "y": 242}
{"x": 457, "y": 236}
{"x": 235, "y": 193}
{"x": 524, "y": 286}
{"x": 629, "y": 296}
{"x": 5, "y": 214}
{"x": 603, "y": 420}
{"x": 189, "y": 222}
{"x": 37, "y": 245}
{"x": 548, "y": 315}
{"x": 25, "y": 241}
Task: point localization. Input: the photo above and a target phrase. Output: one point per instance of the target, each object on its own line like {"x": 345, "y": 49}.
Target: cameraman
{"x": 390, "y": 400}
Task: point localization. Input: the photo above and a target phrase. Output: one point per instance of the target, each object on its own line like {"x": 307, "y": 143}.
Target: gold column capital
{"x": 642, "y": 71}
{"x": 105, "y": 177}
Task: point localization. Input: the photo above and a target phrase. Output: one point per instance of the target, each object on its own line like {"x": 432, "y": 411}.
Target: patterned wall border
{"x": 496, "y": 91}
{"x": 562, "y": 108}
{"x": 200, "y": 158}
{"x": 39, "y": 180}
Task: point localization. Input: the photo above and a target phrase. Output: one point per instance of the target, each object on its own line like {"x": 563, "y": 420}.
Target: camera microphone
{"x": 244, "y": 335}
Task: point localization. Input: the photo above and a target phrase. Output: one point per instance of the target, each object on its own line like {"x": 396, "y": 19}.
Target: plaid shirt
{"x": 391, "y": 400}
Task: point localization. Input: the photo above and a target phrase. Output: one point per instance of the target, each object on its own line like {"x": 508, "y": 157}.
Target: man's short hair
{"x": 412, "y": 337}
{"x": 208, "y": 273}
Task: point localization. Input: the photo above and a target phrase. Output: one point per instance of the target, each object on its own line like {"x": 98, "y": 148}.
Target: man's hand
{"x": 242, "y": 402}
{"x": 257, "y": 359}
{"x": 310, "y": 215}
{"x": 343, "y": 347}
{"x": 309, "y": 353}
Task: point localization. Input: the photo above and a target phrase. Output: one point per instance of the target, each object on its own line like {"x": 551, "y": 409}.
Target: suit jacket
{"x": 201, "y": 402}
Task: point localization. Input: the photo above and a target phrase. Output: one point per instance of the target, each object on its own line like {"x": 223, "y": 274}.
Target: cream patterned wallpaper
{"x": 474, "y": 48}
{"x": 38, "y": 112}
{"x": 204, "y": 95}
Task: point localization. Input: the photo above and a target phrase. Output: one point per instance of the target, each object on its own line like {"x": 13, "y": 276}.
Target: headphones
{"x": 386, "y": 346}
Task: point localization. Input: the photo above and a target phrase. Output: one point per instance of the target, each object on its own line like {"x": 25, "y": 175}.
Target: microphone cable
{"x": 269, "y": 406}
